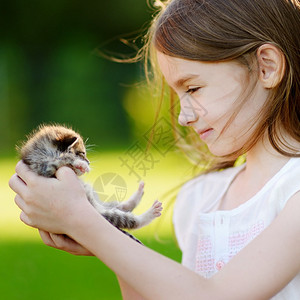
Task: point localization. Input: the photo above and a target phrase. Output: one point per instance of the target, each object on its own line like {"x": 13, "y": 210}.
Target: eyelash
{"x": 193, "y": 90}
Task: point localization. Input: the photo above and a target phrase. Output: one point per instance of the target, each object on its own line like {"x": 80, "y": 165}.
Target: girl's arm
{"x": 259, "y": 271}
{"x": 128, "y": 292}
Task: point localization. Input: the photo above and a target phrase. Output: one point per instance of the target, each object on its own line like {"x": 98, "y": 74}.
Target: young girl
{"x": 239, "y": 227}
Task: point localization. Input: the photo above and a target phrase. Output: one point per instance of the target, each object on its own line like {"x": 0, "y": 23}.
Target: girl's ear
{"x": 271, "y": 63}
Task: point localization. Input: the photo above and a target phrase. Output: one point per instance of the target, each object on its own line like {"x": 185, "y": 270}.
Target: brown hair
{"x": 215, "y": 30}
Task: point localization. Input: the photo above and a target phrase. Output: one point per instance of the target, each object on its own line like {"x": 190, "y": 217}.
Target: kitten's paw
{"x": 153, "y": 212}
{"x": 81, "y": 167}
{"x": 141, "y": 188}
{"x": 134, "y": 200}
{"x": 156, "y": 208}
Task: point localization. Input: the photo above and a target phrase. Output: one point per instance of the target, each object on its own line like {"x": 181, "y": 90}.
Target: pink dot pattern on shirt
{"x": 207, "y": 263}
{"x": 204, "y": 259}
{"x": 239, "y": 240}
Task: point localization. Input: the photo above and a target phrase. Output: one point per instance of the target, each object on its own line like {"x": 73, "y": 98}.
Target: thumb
{"x": 65, "y": 172}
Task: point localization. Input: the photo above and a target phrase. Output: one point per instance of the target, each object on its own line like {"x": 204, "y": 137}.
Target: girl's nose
{"x": 187, "y": 116}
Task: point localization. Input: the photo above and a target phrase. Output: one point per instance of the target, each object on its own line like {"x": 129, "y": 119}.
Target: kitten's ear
{"x": 73, "y": 142}
{"x": 66, "y": 143}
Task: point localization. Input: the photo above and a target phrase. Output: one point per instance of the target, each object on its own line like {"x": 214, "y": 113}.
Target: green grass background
{"x": 31, "y": 270}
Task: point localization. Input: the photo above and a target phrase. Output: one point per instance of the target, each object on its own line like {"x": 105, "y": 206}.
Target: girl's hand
{"x": 50, "y": 204}
{"x": 63, "y": 242}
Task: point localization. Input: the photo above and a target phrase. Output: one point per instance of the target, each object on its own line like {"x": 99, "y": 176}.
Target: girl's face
{"x": 209, "y": 93}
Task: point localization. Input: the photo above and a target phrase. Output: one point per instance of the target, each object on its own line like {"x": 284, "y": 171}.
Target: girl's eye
{"x": 192, "y": 90}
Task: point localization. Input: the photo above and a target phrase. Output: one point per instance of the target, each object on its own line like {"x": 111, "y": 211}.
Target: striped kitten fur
{"x": 52, "y": 146}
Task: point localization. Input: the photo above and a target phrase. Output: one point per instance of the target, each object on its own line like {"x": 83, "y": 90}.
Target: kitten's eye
{"x": 81, "y": 154}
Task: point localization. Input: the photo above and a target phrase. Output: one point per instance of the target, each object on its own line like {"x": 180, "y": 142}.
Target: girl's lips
{"x": 204, "y": 133}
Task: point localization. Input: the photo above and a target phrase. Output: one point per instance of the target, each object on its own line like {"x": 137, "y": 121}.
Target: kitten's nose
{"x": 87, "y": 160}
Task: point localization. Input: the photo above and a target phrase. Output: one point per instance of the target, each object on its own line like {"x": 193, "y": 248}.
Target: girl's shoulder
{"x": 212, "y": 184}
{"x": 202, "y": 193}
{"x": 287, "y": 184}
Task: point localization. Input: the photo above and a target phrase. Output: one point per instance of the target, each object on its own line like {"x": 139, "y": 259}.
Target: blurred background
{"x": 50, "y": 71}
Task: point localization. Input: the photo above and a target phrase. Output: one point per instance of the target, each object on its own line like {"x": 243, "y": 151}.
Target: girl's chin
{"x": 221, "y": 150}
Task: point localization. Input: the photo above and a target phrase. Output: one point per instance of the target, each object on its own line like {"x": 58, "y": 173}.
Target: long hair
{"x": 216, "y": 30}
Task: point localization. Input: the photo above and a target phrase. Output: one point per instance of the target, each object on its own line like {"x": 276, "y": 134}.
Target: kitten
{"x": 52, "y": 146}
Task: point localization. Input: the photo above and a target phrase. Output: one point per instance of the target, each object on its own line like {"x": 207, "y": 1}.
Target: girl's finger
{"x": 26, "y": 220}
{"x": 59, "y": 240}
{"x": 65, "y": 172}
{"x": 20, "y": 202}
{"x": 23, "y": 171}
{"x": 17, "y": 184}
{"x": 27, "y": 175}
{"x": 65, "y": 243}
{"x": 46, "y": 238}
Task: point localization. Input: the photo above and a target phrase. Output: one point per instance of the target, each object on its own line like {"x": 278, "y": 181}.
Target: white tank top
{"x": 209, "y": 238}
